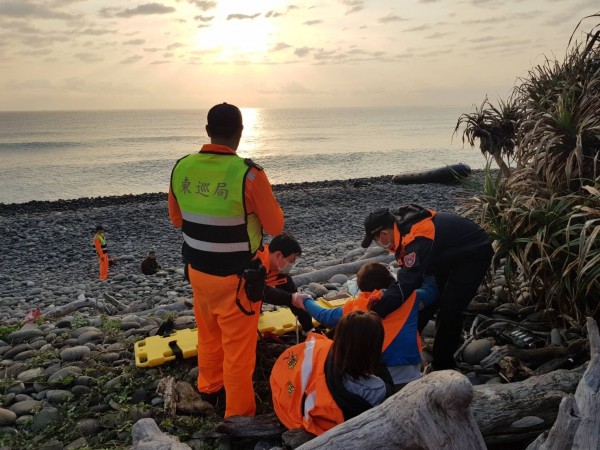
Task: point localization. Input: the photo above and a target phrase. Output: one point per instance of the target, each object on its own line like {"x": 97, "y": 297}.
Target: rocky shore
{"x": 69, "y": 375}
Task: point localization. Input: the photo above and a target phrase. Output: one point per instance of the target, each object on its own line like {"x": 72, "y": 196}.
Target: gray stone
{"x": 16, "y": 388}
{"x": 476, "y": 350}
{"x": 24, "y": 335}
{"x": 147, "y": 436}
{"x": 79, "y": 443}
{"x": 74, "y": 353}
{"x": 109, "y": 358}
{"x": 31, "y": 374}
{"x": 527, "y": 422}
{"x": 7, "y": 417}
{"x": 339, "y": 278}
{"x": 57, "y": 396}
{"x": 65, "y": 372}
{"x": 81, "y": 330}
{"x": 90, "y": 336}
{"x": 52, "y": 444}
{"x": 80, "y": 391}
{"x": 318, "y": 289}
{"x": 111, "y": 384}
{"x": 25, "y": 407}
{"x": 89, "y": 427}
{"x": 45, "y": 417}
{"x": 16, "y": 350}
{"x": 25, "y": 355}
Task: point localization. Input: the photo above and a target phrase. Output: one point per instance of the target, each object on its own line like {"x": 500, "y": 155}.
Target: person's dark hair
{"x": 373, "y": 276}
{"x": 224, "y": 121}
{"x": 286, "y": 244}
{"x": 357, "y": 344}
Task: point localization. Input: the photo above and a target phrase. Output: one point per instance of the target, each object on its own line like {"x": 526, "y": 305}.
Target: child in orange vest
{"x": 401, "y": 348}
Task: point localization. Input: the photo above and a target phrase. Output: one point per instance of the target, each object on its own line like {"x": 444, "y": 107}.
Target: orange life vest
{"x": 423, "y": 228}
{"x": 301, "y": 398}
{"x": 393, "y": 323}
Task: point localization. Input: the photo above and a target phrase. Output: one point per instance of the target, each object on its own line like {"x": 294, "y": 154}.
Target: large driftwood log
{"x": 499, "y": 409}
{"x": 534, "y": 356}
{"x": 430, "y": 413}
{"x": 325, "y": 274}
{"x": 578, "y": 422}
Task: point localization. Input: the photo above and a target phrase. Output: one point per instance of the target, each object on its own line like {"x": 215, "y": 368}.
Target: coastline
{"x": 48, "y": 257}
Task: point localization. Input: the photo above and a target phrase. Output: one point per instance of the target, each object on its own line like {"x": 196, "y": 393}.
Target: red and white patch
{"x": 410, "y": 259}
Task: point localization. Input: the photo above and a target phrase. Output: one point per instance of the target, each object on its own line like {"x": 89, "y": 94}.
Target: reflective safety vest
{"x": 301, "y": 398}
{"x": 101, "y": 241}
{"x": 220, "y": 238}
{"x": 393, "y": 322}
{"x": 423, "y": 228}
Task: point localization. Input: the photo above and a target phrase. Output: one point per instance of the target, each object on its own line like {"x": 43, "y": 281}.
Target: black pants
{"x": 457, "y": 287}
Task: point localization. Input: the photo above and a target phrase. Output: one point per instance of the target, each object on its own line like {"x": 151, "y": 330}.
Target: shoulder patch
{"x": 410, "y": 259}
{"x": 251, "y": 163}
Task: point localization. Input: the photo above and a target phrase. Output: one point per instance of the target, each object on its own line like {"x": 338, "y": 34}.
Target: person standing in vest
{"x": 222, "y": 203}
{"x": 101, "y": 251}
{"x": 402, "y": 343}
{"x": 451, "y": 247}
{"x": 319, "y": 384}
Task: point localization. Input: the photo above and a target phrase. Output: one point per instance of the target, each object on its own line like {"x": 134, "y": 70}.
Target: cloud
{"x": 175, "y": 45}
{"x": 204, "y": 18}
{"x": 204, "y": 6}
{"x": 419, "y": 28}
{"x": 483, "y": 39}
{"x": 135, "y": 42}
{"x": 274, "y": 14}
{"x": 312, "y": 22}
{"x": 22, "y": 9}
{"x": 302, "y": 51}
{"x": 428, "y": 1}
{"x": 152, "y": 49}
{"x": 280, "y": 46}
{"x": 353, "y": 5}
{"x": 20, "y": 27}
{"x": 94, "y": 32}
{"x": 88, "y": 57}
{"x": 145, "y": 10}
{"x": 242, "y": 16}
{"x": 391, "y": 18}
{"x": 131, "y": 59}
{"x": 436, "y": 35}
{"x": 291, "y": 88}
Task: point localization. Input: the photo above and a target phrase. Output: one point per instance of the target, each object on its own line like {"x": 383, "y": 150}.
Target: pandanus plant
{"x": 544, "y": 212}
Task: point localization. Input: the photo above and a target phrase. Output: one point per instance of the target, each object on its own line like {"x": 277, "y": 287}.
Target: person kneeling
{"x": 321, "y": 383}
{"x": 402, "y": 343}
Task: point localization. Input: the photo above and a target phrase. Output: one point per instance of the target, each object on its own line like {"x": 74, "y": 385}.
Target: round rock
{"x": 475, "y": 351}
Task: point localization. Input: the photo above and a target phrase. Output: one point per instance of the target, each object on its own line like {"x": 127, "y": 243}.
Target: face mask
{"x": 286, "y": 268}
{"x": 384, "y": 243}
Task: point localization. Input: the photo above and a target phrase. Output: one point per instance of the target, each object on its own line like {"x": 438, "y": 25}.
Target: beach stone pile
{"x": 70, "y": 378}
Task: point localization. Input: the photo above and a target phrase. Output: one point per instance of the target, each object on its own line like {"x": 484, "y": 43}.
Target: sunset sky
{"x": 125, "y": 54}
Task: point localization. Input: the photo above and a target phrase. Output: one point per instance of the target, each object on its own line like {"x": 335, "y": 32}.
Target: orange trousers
{"x": 226, "y": 340}
{"x": 103, "y": 262}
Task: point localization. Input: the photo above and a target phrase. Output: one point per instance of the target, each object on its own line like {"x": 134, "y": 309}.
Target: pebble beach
{"x": 86, "y": 357}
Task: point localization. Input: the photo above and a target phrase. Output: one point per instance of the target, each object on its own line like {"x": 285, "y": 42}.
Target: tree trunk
{"x": 432, "y": 412}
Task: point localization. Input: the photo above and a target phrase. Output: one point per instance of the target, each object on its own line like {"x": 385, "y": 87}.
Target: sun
{"x": 236, "y": 33}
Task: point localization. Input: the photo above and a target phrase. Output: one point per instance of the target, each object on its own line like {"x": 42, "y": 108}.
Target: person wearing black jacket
{"x": 451, "y": 247}
{"x": 273, "y": 284}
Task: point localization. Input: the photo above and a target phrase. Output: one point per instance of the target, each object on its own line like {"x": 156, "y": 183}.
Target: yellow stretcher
{"x": 157, "y": 350}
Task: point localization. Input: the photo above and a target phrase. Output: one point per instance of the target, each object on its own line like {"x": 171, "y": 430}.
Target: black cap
{"x": 375, "y": 222}
{"x": 224, "y": 120}
{"x": 99, "y": 228}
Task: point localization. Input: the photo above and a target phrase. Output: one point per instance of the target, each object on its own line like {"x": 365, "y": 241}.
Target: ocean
{"x": 51, "y": 155}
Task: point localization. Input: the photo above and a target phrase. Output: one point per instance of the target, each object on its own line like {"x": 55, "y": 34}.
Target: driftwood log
{"x": 432, "y": 412}
{"x": 326, "y": 273}
{"x": 513, "y": 412}
{"x": 578, "y": 423}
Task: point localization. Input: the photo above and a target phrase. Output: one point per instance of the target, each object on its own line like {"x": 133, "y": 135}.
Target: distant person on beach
{"x": 452, "y": 248}
{"x": 102, "y": 252}
{"x": 222, "y": 202}
{"x": 150, "y": 265}
{"x": 402, "y": 343}
{"x": 272, "y": 282}
{"x": 321, "y": 383}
